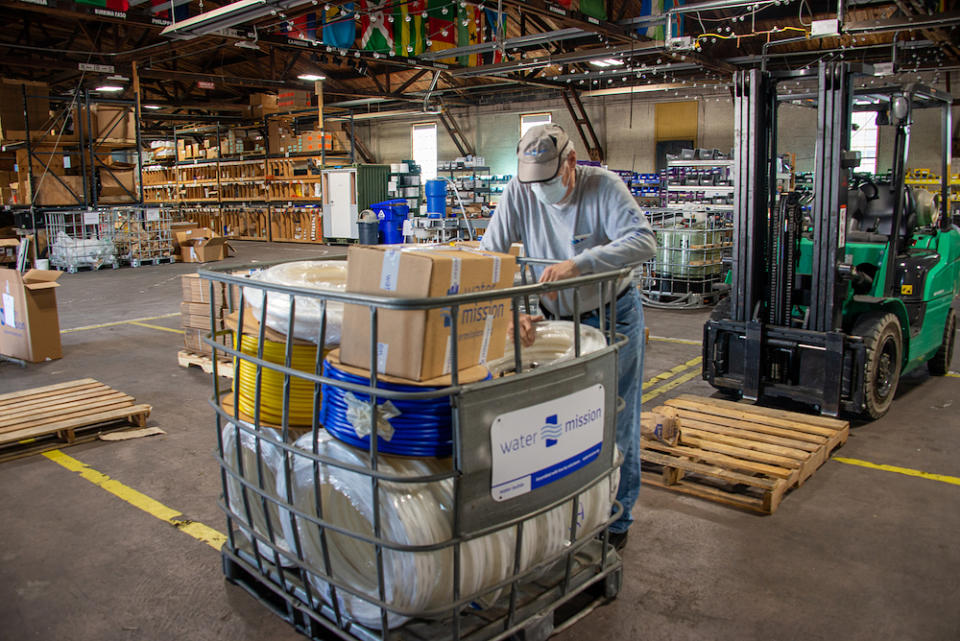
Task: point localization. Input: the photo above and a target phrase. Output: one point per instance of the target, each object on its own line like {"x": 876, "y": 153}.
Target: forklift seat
{"x": 870, "y": 213}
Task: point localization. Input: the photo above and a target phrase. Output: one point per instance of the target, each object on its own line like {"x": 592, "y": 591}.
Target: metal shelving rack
{"x": 694, "y": 234}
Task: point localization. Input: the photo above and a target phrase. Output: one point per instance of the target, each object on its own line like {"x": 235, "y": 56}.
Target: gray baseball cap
{"x": 540, "y": 153}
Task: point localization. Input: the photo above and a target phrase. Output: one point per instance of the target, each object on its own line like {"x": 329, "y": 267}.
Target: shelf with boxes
{"x": 705, "y": 183}
{"x": 406, "y": 182}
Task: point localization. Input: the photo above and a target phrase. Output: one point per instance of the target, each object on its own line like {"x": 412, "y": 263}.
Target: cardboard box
{"x": 29, "y": 324}
{"x": 117, "y": 185}
{"x": 416, "y": 344}
{"x": 293, "y": 99}
{"x": 197, "y": 290}
{"x": 262, "y": 104}
{"x": 55, "y": 192}
{"x": 12, "y": 125}
{"x": 113, "y": 122}
{"x": 202, "y": 245}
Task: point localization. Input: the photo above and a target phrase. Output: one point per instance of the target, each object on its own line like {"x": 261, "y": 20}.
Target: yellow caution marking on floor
{"x": 943, "y": 478}
{"x": 666, "y": 387}
{"x": 115, "y": 323}
{"x": 681, "y": 341}
{"x": 197, "y": 530}
{"x": 663, "y": 376}
{"x": 148, "y": 325}
{"x": 953, "y": 374}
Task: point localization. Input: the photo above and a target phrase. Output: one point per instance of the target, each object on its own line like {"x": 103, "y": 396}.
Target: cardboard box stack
{"x": 195, "y": 312}
{"x": 416, "y": 345}
{"x": 12, "y": 124}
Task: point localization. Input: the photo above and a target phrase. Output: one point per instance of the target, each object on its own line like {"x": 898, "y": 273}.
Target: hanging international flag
{"x": 594, "y": 8}
{"x": 409, "y": 27}
{"x": 339, "y": 26}
{"x": 441, "y": 28}
{"x": 468, "y": 33}
{"x": 113, "y": 5}
{"x": 180, "y": 11}
{"x": 375, "y": 32}
{"x": 571, "y": 5}
{"x": 303, "y": 27}
{"x": 493, "y": 33}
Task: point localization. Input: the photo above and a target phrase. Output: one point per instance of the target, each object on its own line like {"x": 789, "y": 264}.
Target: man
{"x": 586, "y": 218}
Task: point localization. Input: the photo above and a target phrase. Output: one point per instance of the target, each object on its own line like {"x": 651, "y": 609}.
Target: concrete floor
{"x": 855, "y": 554}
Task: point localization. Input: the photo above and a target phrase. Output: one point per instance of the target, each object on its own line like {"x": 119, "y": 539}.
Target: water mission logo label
{"x": 551, "y": 430}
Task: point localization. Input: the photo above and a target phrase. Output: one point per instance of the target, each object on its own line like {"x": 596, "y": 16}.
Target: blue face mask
{"x": 550, "y": 192}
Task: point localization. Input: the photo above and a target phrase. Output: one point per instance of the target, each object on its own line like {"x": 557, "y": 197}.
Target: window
{"x": 424, "y": 138}
{"x": 532, "y": 120}
{"x": 864, "y": 139}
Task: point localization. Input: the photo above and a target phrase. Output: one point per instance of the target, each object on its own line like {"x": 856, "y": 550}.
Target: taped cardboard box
{"x": 114, "y": 122}
{"x": 202, "y": 245}
{"x": 417, "y": 345}
{"x": 29, "y": 323}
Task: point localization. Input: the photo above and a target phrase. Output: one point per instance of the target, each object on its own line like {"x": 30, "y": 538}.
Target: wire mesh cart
{"x": 82, "y": 239}
{"x": 144, "y": 236}
{"x": 689, "y": 259}
{"x": 368, "y": 508}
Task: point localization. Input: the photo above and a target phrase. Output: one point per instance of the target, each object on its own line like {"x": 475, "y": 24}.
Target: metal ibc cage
{"x": 370, "y": 545}
{"x": 144, "y": 236}
{"x": 82, "y": 239}
{"x": 688, "y": 264}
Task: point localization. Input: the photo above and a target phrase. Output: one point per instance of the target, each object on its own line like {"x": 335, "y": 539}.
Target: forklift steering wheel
{"x": 876, "y": 190}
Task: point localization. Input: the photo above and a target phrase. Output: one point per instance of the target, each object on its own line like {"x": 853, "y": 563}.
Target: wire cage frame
{"x": 688, "y": 265}
{"x": 300, "y": 556}
{"x": 144, "y": 235}
{"x": 82, "y": 239}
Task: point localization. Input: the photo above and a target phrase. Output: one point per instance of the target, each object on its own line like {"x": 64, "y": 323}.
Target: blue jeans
{"x": 630, "y": 389}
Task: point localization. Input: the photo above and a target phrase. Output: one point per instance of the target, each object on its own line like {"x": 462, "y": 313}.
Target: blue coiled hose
{"x": 423, "y": 428}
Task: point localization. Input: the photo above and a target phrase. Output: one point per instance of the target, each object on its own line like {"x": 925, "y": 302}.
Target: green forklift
{"x": 831, "y": 308}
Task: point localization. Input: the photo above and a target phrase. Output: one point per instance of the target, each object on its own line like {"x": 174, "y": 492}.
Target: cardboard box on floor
{"x": 29, "y": 324}
{"x": 202, "y": 245}
{"x": 416, "y": 345}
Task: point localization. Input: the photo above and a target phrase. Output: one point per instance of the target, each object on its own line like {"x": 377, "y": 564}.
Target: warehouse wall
{"x": 630, "y": 143}
{"x": 625, "y": 129}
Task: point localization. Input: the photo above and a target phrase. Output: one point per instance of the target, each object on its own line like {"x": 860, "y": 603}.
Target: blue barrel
{"x": 436, "y": 191}
{"x": 391, "y": 214}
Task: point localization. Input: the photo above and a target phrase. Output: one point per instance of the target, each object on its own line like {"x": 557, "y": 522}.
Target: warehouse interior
{"x": 194, "y": 193}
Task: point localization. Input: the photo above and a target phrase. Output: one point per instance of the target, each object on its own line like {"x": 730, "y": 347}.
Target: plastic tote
{"x": 391, "y": 214}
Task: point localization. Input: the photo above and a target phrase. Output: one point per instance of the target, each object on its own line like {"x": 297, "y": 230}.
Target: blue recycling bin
{"x": 436, "y": 191}
{"x": 391, "y": 214}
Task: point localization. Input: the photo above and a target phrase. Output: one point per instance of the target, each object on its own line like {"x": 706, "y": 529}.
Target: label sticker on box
{"x": 383, "y": 349}
{"x": 390, "y": 270}
{"x": 9, "y": 318}
{"x": 537, "y": 445}
{"x": 455, "y": 277}
{"x": 91, "y": 218}
{"x": 153, "y": 214}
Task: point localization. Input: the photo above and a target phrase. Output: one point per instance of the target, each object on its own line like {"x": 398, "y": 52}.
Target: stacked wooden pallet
{"x": 64, "y": 413}
{"x": 738, "y": 454}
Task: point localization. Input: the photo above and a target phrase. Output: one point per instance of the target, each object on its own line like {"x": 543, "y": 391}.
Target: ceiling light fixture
{"x": 151, "y": 107}
{"x": 607, "y": 62}
{"x": 311, "y": 77}
{"x": 109, "y": 88}
{"x": 227, "y": 16}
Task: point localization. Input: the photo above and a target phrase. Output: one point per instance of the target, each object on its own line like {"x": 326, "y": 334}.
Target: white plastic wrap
{"x": 271, "y": 466}
{"x": 553, "y": 344}
{"x": 329, "y": 275}
{"x": 67, "y": 250}
{"x": 412, "y": 514}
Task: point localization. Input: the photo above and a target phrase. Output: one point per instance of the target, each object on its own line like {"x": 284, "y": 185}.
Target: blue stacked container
{"x": 436, "y": 191}
{"x": 391, "y": 214}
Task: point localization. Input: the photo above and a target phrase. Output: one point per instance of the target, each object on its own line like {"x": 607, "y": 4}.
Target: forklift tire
{"x": 939, "y": 365}
{"x": 883, "y": 339}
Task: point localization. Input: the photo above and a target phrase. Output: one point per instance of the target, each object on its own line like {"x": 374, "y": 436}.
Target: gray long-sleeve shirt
{"x": 599, "y": 227}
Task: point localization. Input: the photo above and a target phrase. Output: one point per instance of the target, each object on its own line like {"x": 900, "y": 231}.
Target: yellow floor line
{"x": 165, "y": 329}
{"x": 197, "y": 530}
{"x": 681, "y": 341}
{"x": 943, "y": 478}
{"x": 115, "y": 323}
{"x": 671, "y": 372}
{"x": 953, "y": 374}
{"x": 663, "y": 389}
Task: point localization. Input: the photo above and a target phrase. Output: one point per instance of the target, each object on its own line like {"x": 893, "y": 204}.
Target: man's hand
{"x": 527, "y": 333}
{"x": 559, "y": 271}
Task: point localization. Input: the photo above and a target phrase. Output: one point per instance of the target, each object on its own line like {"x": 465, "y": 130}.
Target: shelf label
{"x": 537, "y": 445}
{"x": 153, "y": 214}
{"x": 91, "y": 218}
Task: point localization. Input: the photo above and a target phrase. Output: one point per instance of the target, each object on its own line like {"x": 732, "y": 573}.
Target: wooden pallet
{"x": 47, "y": 417}
{"x": 205, "y": 362}
{"x": 739, "y": 454}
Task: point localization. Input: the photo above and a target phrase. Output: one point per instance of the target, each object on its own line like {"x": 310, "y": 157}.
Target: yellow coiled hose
{"x": 302, "y": 358}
